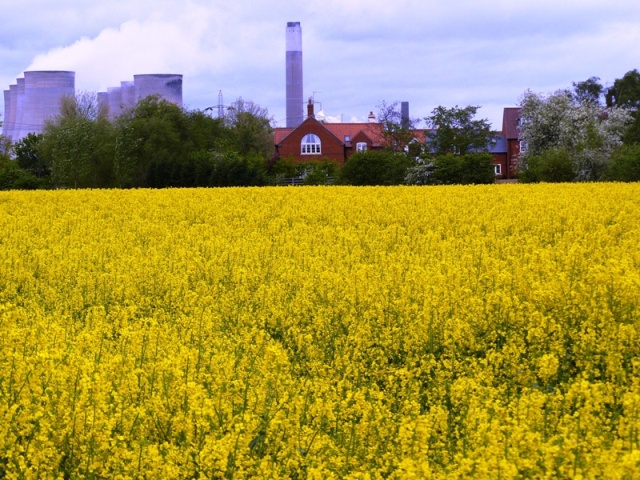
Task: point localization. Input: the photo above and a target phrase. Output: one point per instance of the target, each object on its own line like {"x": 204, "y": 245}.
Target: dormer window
{"x": 310, "y": 144}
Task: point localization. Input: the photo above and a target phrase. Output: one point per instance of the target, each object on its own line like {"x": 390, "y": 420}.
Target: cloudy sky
{"x": 356, "y": 53}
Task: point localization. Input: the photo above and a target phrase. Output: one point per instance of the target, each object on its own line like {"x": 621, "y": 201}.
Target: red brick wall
{"x": 513, "y": 153}
{"x": 501, "y": 159}
{"x": 331, "y": 148}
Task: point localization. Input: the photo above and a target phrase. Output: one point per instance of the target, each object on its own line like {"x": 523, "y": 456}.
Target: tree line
{"x": 155, "y": 144}
{"x": 587, "y": 133}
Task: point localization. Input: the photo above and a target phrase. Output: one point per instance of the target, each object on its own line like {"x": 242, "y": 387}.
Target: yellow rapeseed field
{"x": 321, "y": 332}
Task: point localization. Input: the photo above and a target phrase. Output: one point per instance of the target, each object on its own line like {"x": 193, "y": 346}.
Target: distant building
{"x": 315, "y": 140}
{"x": 506, "y": 150}
{"x": 36, "y": 98}
{"x": 167, "y": 86}
{"x": 33, "y": 100}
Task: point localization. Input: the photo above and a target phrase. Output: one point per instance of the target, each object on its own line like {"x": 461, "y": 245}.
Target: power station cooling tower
{"x": 295, "y": 103}
{"x": 9, "y": 126}
{"x": 6, "y": 125}
{"x": 18, "y": 125}
{"x": 43, "y": 92}
{"x": 168, "y": 86}
{"x": 115, "y": 102}
{"x": 128, "y": 94}
{"x": 103, "y": 101}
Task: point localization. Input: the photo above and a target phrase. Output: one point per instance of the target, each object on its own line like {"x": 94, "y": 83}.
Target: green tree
{"x": 316, "y": 173}
{"x": 397, "y": 132}
{"x": 375, "y": 167}
{"x": 456, "y": 151}
{"x": 453, "y": 169}
{"x": 231, "y": 170}
{"x": 455, "y": 130}
{"x": 625, "y": 93}
{"x": 12, "y": 177}
{"x": 158, "y": 144}
{"x": 250, "y": 129}
{"x": 588, "y": 91}
{"x": 78, "y": 145}
{"x": 552, "y": 166}
{"x": 624, "y": 165}
{"x": 28, "y": 156}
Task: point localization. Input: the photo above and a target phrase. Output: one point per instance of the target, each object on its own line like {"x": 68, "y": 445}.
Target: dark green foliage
{"x": 588, "y": 91}
{"x": 316, "y": 173}
{"x": 279, "y": 167}
{"x": 553, "y": 166}
{"x": 249, "y": 130}
{"x": 79, "y": 152}
{"x": 12, "y": 177}
{"x": 624, "y": 165}
{"x": 154, "y": 144}
{"x": 232, "y": 170}
{"x": 375, "y": 167}
{"x": 28, "y": 156}
{"x": 160, "y": 145}
{"x": 625, "y": 93}
{"x": 451, "y": 169}
{"x": 454, "y": 130}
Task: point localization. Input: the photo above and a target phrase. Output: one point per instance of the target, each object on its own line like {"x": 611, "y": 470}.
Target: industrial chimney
{"x": 404, "y": 115}
{"x": 295, "y": 103}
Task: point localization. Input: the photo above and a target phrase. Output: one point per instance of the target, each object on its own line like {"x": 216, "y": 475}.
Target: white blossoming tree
{"x": 587, "y": 132}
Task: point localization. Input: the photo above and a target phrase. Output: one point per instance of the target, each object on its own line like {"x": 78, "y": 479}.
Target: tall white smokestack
{"x": 295, "y": 102}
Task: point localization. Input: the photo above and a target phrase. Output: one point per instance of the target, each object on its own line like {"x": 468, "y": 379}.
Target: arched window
{"x": 310, "y": 144}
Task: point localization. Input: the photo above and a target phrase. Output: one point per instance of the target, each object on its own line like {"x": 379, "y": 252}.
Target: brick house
{"x": 506, "y": 150}
{"x": 314, "y": 140}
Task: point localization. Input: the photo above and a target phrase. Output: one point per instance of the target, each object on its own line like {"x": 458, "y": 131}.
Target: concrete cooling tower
{"x": 43, "y": 92}
{"x": 128, "y": 95}
{"x": 103, "y": 101}
{"x": 114, "y": 96}
{"x": 295, "y": 103}
{"x": 36, "y": 98}
{"x": 168, "y": 86}
{"x": 8, "y": 122}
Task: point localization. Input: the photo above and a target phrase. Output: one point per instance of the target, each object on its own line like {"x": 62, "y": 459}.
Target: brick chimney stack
{"x": 310, "y": 109}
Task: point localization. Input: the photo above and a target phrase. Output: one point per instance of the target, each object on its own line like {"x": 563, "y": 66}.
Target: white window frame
{"x": 311, "y": 145}
{"x": 497, "y": 168}
{"x": 523, "y": 146}
{"x": 361, "y": 147}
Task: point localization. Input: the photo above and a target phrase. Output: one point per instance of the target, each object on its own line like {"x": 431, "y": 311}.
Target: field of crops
{"x": 321, "y": 332}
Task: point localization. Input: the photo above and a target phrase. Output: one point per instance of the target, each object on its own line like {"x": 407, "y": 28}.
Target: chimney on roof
{"x": 372, "y": 118}
{"x": 310, "y": 108}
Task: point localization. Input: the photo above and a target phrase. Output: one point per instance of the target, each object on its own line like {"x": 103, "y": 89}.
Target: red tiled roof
{"x": 280, "y": 134}
{"x": 372, "y": 130}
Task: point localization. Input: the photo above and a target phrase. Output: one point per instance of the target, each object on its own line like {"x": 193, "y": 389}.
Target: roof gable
{"x": 510, "y": 119}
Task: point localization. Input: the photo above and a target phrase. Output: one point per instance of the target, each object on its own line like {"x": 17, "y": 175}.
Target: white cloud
{"x": 356, "y": 53}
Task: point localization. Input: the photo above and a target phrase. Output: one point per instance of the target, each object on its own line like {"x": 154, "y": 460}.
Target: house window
{"x": 361, "y": 147}
{"x": 497, "y": 168}
{"x": 310, "y": 144}
{"x": 523, "y": 146}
